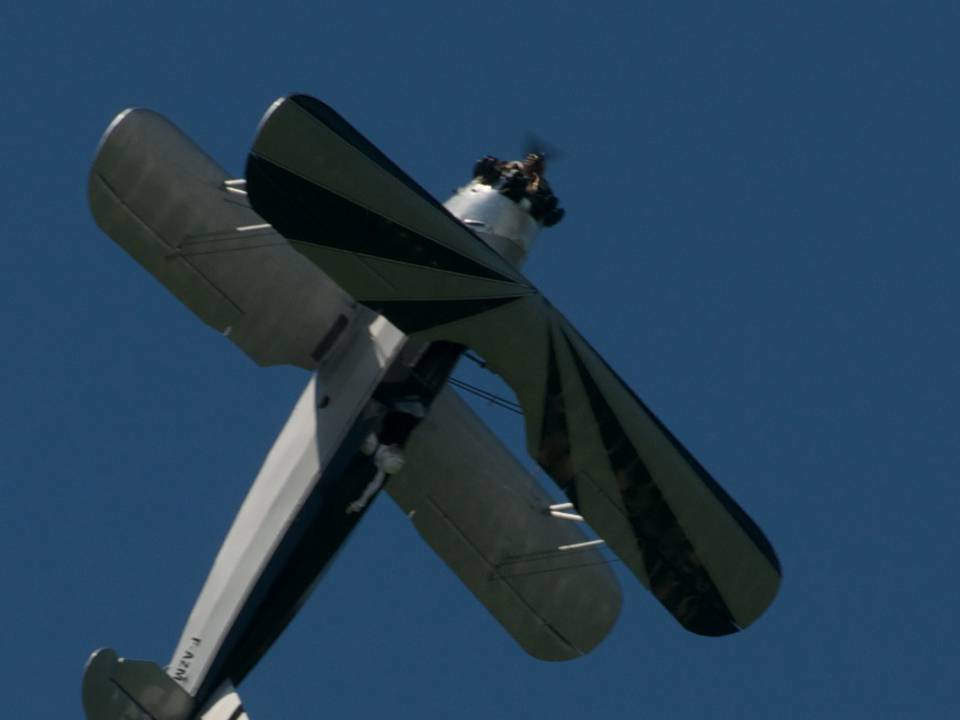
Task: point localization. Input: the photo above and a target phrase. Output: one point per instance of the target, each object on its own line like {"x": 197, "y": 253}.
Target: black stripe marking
{"x": 333, "y": 120}
{"x": 300, "y": 210}
{"x": 729, "y": 504}
{"x": 554, "y": 452}
{"x": 678, "y": 579}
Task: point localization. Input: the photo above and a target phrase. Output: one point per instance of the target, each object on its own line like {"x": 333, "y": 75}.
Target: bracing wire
{"x": 475, "y": 358}
{"x": 490, "y": 397}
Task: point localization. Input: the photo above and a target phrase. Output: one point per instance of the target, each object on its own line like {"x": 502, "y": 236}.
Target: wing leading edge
{"x": 387, "y": 243}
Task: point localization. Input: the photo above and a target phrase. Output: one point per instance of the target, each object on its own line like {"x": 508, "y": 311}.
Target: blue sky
{"x": 762, "y": 238}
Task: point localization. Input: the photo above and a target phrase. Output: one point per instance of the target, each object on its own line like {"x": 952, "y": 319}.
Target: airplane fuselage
{"x": 255, "y": 589}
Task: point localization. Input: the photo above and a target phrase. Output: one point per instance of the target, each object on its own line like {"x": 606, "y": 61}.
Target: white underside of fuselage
{"x": 299, "y": 462}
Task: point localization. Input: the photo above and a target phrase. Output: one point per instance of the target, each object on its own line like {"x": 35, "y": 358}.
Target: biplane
{"x": 328, "y": 257}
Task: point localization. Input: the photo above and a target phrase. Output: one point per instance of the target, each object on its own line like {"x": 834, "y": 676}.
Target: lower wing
{"x": 488, "y": 519}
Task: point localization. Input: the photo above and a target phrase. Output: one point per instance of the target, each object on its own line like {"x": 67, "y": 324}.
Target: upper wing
{"x": 487, "y": 518}
{"x": 374, "y": 231}
{"x": 164, "y": 201}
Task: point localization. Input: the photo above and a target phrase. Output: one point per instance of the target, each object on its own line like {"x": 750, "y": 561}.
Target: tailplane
{"x": 116, "y": 688}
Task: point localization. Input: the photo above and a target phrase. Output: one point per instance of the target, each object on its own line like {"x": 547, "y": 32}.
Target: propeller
{"x": 544, "y": 208}
{"x": 533, "y": 143}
